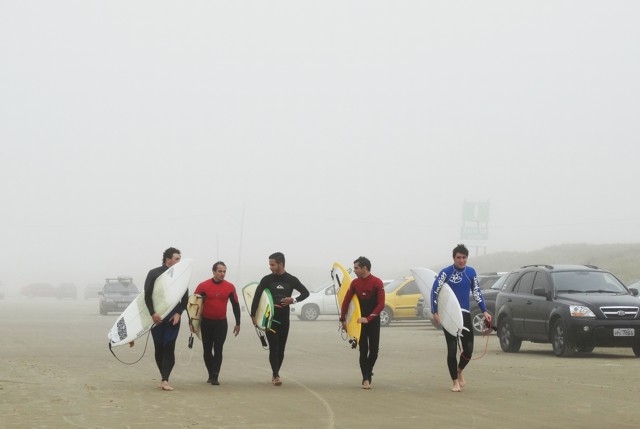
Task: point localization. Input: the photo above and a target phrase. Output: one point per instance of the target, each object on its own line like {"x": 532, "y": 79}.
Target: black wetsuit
{"x": 165, "y": 334}
{"x": 466, "y": 341}
{"x": 281, "y": 286}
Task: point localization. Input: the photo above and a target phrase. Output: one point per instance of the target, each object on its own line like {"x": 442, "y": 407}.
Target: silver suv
{"x": 116, "y": 294}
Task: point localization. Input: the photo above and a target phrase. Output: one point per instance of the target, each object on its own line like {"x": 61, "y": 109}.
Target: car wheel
{"x": 636, "y": 349}
{"x": 562, "y": 346}
{"x": 310, "y": 312}
{"x": 508, "y": 342}
{"x": 477, "y": 321}
{"x": 585, "y": 348}
{"x": 102, "y": 311}
{"x": 385, "y": 316}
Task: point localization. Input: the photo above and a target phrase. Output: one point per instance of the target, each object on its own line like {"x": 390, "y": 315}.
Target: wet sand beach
{"x": 57, "y": 372}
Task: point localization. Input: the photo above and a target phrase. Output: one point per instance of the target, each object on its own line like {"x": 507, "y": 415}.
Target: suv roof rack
{"x": 538, "y": 265}
{"x": 120, "y": 279}
{"x": 551, "y": 267}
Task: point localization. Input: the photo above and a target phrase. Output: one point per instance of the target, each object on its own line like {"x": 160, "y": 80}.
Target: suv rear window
{"x": 120, "y": 288}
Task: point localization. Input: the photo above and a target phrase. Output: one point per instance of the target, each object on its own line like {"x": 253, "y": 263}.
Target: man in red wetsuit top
{"x": 216, "y": 292}
{"x": 370, "y": 292}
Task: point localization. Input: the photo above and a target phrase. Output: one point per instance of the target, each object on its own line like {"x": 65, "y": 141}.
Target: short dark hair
{"x": 168, "y": 254}
{"x": 217, "y": 264}
{"x": 461, "y": 248}
{"x": 363, "y": 263}
{"x": 278, "y": 257}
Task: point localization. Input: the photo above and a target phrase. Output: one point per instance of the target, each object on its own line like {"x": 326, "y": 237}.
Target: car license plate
{"x": 624, "y": 332}
{"x": 125, "y": 305}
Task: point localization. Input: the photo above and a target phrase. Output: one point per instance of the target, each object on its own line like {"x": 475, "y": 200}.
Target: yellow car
{"x": 401, "y": 298}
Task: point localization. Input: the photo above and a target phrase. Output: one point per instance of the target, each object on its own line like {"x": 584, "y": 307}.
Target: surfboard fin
{"x": 262, "y": 338}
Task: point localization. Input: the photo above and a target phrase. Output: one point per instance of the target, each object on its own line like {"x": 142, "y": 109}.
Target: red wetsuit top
{"x": 370, "y": 293}
{"x": 216, "y": 295}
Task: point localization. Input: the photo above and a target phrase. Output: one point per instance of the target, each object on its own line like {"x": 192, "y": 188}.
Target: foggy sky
{"x": 323, "y": 129}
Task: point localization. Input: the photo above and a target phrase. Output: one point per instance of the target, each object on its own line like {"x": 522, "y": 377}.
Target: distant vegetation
{"x": 623, "y": 260}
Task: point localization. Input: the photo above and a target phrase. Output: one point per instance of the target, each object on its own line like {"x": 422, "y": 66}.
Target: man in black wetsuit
{"x": 165, "y": 331}
{"x": 281, "y": 284}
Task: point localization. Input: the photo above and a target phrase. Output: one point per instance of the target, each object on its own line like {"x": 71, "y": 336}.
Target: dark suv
{"x": 574, "y": 307}
{"x": 117, "y": 294}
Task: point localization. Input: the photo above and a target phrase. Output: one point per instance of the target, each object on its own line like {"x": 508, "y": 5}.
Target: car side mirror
{"x": 540, "y": 291}
{"x": 634, "y": 291}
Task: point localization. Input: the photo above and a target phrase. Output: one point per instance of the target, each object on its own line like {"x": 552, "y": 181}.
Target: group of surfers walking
{"x": 218, "y": 292}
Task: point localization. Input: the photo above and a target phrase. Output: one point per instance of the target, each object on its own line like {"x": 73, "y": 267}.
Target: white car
{"x": 322, "y": 301}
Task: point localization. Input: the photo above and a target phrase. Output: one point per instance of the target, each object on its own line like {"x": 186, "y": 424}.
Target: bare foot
{"x": 165, "y": 386}
{"x": 366, "y": 385}
{"x": 461, "y": 379}
{"x": 456, "y": 386}
{"x": 277, "y": 381}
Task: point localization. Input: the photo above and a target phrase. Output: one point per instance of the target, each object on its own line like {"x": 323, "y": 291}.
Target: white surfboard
{"x": 424, "y": 278}
{"x": 449, "y": 311}
{"x": 264, "y": 313}
{"x": 168, "y": 290}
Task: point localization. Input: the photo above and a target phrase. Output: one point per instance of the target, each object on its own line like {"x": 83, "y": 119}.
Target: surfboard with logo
{"x": 168, "y": 290}
{"x": 264, "y": 313}
{"x": 449, "y": 311}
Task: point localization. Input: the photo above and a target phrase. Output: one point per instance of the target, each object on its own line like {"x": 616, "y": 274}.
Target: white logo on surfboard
{"x": 448, "y": 306}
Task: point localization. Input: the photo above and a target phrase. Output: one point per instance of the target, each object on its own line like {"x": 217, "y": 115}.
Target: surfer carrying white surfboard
{"x": 213, "y": 327}
{"x": 370, "y": 292}
{"x": 463, "y": 281}
{"x": 165, "y": 331}
{"x": 281, "y": 284}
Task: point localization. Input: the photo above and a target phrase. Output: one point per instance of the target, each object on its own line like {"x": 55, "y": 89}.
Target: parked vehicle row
{"x": 403, "y": 300}
{"x": 401, "y": 296}
{"x": 47, "y": 290}
{"x": 63, "y": 290}
{"x": 575, "y": 308}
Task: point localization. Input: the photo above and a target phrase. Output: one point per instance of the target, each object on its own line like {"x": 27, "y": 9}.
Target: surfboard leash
{"x": 188, "y": 348}
{"x": 342, "y": 331}
{"x": 263, "y": 339}
{"x": 146, "y": 343}
{"x": 485, "y": 333}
